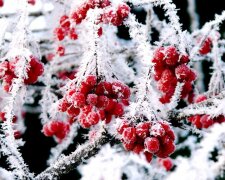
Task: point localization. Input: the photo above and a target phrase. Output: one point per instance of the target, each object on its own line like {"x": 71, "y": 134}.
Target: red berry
{"x": 108, "y": 118}
{"x": 129, "y": 135}
{"x": 17, "y": 134}
{"x": 157, "y": 130}
{"x": 152, "y": 144}
{"x": 100, "y": 31}
{"x": 206, "y": 121}
{"x": 166, "y": 163}
{"x": 200, "y": 98}
{"x": 92, "y": 99}
{"x": 124, "y": 124}
{"x": 78, "y": 99}
{"x": 182, "y": 72}
{"x": 32, "y": 2}
{"x": 111, "y": 105}
{"x": 65, "y": 22}
{"x": 80, "y": 14}
{"x": 72, "y": 111}
{"x": 220, "y": 119}
{"x": 102, "y": 102}
{"x": 118, "y": 109}
{"x": 120, "y": 90}
{"x": 138, "y": 148}
{"x": 123, "y": 11}
{"x": 104, "y": 88}
{"x": 60, "y": 50}
{"x": 63, "y": 105}
{"x": 91, "y": 80}
{"x": 93, "y": 118}
{"x": 196, "y": 121}
{"x": 148, "y": 156}
{"x": 128, "y": 146}
{"x": 72, "y": 34}
{"x": 171, "y": 56}
{"x": 84, "y": 88}
{"x": 101, "y": 113}
{"x": 83, "y": 121}
{"x": 86, "y": 109}
{"x": 142, "y": 129}
{"x": 206, "y": 47}
{"x": 60, "y": 33}
{"x": 184, "y": 59}
{"x": 167, "y": 82}
{"x": 1, "y": 3}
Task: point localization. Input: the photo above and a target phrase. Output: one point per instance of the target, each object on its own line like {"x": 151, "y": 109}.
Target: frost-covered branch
{"x": 66, "y": 164}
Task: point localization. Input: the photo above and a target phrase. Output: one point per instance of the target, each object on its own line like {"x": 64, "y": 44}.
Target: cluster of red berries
{"x": 111, "y": 16}
{"x": 94, "y": 101}
{"x": 65, "y": 29}
{"x": 7, "y": 71}
{"x": 204, "y": 121}
{"x": 56, "y": 128}
{"x": 170, "y": 68}
{"x": 206, "y": 46}
{"x": 17, "y": 133}
{"x": 152, "y": 139}
{"x": 166, "y": 163}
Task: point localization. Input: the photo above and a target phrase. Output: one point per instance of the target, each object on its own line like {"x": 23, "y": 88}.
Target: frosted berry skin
{"x": 96, "y": 101}
{"x": 148, "y": 138}
{"x": 204, "y": 121}
{"x": 206, "y": 46}
{"x": 170, "y": 68}
{"x": 7, "y": 71}
{"x": 56, "y": 128}
{"x": 166, "y": 163}
{"x": 152, "y": 144}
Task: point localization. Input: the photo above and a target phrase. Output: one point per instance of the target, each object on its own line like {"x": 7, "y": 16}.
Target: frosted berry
{"x": 92, "y": 99}
{"x": 206, "y": 47}
{"x": 152, "y": 144}
{"x": 78, "y": 99}
{"x": 148, "y": 156}
{"x": 102, "y": 102}
{"x": 60, "y": 50}
{"x": 142, "y": 129}
{"x": 59, "y": 33}
{"x": 129, "y": 135}
{"x": 124, "y": 124}
{"x": 118, "y": 109}
{"x": 206, "y": 121}
{"x": 167, "y": 163}
{"x": 171, "y": 56}
{"x": 93, "y": 118}
{"x": 200, "y": 98}
{"x": 123, "y": 11}
{"x": 138, "y": 148}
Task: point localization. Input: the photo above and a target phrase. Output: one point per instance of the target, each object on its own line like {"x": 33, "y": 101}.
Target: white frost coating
{"x": 112, "y": 163}
{"x": 5, "y": 175}
{"x": 193, "y": 15}
{"x": 199, "y": 165}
